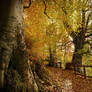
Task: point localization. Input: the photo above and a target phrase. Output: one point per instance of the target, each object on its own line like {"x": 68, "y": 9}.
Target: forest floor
{"x": 66, "y": 81}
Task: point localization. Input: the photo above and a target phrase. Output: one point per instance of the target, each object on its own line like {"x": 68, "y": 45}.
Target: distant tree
{"x": 76, "y": 17}
{"x": 79, "y": 37}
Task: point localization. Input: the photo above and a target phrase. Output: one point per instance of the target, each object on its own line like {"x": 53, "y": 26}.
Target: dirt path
{"x": 66, "y": 81}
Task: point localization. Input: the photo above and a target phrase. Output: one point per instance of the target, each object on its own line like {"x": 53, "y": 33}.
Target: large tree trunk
{"x": 12, "y": 44}
{"x": 77, "y": 56}
{"x": 79, "y": 41}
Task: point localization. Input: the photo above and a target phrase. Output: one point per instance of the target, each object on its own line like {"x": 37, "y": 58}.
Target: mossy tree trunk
{"x": 12, "y": 43}
{"x": 79, "y": 42}
{"x": 77, "y": 56}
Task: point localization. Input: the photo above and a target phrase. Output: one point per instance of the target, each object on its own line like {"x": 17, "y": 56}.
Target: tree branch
{"x": 88, "y": 19}
{"x": 88, "y": 35}
{"x": 45, "y": 10}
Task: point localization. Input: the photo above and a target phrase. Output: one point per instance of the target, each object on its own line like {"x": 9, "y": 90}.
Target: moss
{"x": 13, "y": 82}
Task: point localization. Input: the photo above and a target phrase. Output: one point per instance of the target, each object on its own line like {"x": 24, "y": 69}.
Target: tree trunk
{"x": 50, "y": 57}
{"x": 12, "y": 43}
{"x": 77, "y": 56}
{"x": 52, "y": 61}
{"x": 79, "y": 40}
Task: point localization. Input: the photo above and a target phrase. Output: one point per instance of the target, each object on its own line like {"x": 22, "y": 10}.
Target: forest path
{"x": 66, "y": 81}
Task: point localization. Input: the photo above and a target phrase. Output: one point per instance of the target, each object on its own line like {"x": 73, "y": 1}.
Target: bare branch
{"x": 66, "y": 44}
{"x": 45, "y": 10}
{"x": 88, "y": 19}
{"x": 90, "y": 35}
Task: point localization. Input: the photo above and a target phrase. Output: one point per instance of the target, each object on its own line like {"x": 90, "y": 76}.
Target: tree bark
{"x": 77, "y": 56}
{"x": 79, "y": 41}
{"x": 52, "y": 57}
{"x": 12, "y": 43}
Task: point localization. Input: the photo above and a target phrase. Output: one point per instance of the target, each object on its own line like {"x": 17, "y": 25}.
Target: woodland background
{"x": 53, "y": 43}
